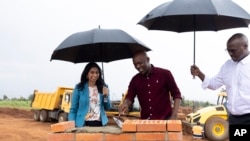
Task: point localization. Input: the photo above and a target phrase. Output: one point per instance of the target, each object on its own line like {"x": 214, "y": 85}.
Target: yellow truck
{"x": 48, "y": 106}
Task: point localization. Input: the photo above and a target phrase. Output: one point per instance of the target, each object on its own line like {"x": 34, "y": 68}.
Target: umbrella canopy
{"x": 98, "y": 45}
{"x": 196, "y": 15}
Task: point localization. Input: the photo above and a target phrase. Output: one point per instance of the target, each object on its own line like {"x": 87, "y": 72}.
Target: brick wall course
{"x": 120, "y": 137}
{"x": 129, "y": 125}
{"x": 174, "y": 136}
{"x": 62, "y": 126}
{"x": 150, "y": 136}
{"x": 61, "y": 137}
{"x": 89, "y": 137}
{"x": 132, "y": 130}
{"x": 151, "y": 126}
{"x": 174, "y": 125}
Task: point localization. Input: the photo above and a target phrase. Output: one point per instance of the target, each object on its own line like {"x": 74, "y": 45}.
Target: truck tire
{"x": 44, "y": 115}
{"x": 63, "y": 117}
{"x": 36, "y": 115}
{"x": 216, "y": 129}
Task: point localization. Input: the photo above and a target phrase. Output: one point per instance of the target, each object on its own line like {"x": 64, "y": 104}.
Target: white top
{"x": 94, "y": 105}
{"x": 236, "y": 77}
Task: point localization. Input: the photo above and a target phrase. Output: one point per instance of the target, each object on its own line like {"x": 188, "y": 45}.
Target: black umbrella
{"x": 98, "y": 45}
{"x": 196, "y": 15}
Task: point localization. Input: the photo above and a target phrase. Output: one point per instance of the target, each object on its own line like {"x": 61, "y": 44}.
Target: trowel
{"x": 118, "y": 120}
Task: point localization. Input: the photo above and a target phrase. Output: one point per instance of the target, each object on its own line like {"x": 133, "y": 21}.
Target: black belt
{"x": 244, "y": 115}
{"x": 93, "y": 123}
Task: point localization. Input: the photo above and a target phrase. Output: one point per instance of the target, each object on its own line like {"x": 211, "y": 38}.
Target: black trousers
{"x": 94, "y": 123}
{"x": 239, "y": 119}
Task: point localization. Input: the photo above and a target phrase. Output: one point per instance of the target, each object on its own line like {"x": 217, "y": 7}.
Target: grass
{"x": 22, "y": 104}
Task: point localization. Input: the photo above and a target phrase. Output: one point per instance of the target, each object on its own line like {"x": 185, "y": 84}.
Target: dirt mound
{"x": 186, "y": 110}
{"x": 16, "y": 113}
{"x": 18, "y": 125}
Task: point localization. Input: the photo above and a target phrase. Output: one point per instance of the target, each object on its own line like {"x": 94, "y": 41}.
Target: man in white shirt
{"x": 235, "y": 76}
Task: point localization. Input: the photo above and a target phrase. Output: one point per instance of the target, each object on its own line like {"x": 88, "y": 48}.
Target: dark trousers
{"x": 239, "y": 119}
{"x": 93, "y": 123}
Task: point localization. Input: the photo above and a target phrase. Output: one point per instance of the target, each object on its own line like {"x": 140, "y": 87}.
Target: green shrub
{"x": 24, "y": 104}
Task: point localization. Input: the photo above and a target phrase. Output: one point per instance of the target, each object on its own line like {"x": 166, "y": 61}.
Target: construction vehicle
{"x": 134, "y": 109}
{"x": 47, "y": 106}
{"x": 214, "y": 119}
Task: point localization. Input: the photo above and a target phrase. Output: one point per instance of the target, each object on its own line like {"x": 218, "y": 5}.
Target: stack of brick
{"x": 132, "y": 130}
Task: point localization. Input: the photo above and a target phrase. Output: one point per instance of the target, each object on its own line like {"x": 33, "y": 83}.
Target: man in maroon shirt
{"x": 154, "y": 87}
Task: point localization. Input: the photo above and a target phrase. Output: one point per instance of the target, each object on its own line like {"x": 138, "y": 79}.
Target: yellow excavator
{"x": 214, "y": 119}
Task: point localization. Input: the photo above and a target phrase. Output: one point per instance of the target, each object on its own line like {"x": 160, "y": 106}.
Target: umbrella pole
{"x": 194, "y": 36}
{"x": 194, "y": 53}
{"x": 194, "y": 41}
{"x": 102, "y": 61}
{"x": 103, "y": 72}
{"x": 194, "y": 48}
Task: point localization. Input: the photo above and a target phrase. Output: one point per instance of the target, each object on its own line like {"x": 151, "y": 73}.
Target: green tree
{"x": 22, "y": 99}
{"x": 31, "y": 97}
{"x": 5, "y": 97}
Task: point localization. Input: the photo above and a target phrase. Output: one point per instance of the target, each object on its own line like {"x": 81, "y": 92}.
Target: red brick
{"x": 174, "y": 136}
{"x": 129, "y": 125}
{"x": 61, "y": 137}
{"x": 174, "y": 125}
{"x": 120, "y": 137}
{"x": 151, "y": 126}
{"x": 62, "y": 126}
{"x": 89, "y": 137}
{"x": 151, "y": 136}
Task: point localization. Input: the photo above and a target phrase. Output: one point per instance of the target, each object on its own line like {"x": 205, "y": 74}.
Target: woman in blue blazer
{"x": 90, "y": 98}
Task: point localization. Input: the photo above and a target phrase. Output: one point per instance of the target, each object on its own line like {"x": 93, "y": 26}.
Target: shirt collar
{"x": 246, "y": 59}
{"x": 152, "y": 70}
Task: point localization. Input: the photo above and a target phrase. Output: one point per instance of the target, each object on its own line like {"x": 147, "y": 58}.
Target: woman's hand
{"x": 105, "y": 91}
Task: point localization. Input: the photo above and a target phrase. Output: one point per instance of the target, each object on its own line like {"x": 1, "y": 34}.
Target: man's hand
{"x": 124, "y": 107}
{"x": 195, "y": 71}
{"x": 173, "y": 117}
{"x": 177, "y": 102}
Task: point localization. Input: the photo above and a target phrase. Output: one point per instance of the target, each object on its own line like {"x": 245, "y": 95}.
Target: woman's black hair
{"x": 99, "y": 83}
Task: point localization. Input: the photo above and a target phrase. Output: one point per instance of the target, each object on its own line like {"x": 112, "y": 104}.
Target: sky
{"x": 30, "y": 30}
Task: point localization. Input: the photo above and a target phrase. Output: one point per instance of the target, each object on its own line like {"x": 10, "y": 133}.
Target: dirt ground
{"x": 18, "y": 125}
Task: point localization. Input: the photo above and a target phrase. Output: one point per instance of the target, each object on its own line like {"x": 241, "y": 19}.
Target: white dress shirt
{"x": 236, "y": 77}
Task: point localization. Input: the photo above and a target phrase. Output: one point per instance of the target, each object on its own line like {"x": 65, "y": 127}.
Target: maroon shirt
{"x": 153, "y": 92}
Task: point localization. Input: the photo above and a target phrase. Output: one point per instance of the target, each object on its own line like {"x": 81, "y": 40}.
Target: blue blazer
{"x": 80, "y": 106}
